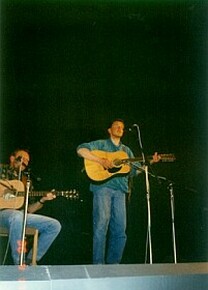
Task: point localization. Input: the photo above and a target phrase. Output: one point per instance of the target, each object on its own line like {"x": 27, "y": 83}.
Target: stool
{"x": 28, "y": 232}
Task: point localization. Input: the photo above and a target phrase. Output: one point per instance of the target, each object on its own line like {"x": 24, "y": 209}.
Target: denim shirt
{"x": 118, "y": 182}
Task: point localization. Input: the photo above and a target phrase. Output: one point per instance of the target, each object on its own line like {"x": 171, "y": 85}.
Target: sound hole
{"x": 114, "y": 169}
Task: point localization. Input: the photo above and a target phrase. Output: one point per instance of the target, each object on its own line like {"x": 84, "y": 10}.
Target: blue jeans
{"x": 48, "y": 229}
{"x": 109, "y": 217}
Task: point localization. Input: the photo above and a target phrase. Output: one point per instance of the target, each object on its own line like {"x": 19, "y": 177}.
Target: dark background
{"x": 68, "y": 68}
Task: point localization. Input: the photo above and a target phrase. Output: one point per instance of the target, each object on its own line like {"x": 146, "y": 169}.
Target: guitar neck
{"x": 57, "y": 193}
{"x": 39, "y": 193}
{"x": 68, "y": 193}
{"x": 164, "y": 158}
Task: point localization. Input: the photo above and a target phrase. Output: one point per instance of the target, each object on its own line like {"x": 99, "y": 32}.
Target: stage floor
{"x": 190, "y": 276}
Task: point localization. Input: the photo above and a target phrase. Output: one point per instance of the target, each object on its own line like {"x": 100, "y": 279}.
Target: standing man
{"x": 12, "y": 218}
{"x": 109, "y": 196}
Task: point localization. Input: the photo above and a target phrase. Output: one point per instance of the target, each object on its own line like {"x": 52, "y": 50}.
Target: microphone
{"x": 18, "y": 159}
{"x": 133, "y": 126}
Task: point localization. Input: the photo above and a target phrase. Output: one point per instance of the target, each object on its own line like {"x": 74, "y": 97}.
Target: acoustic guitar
{"x": 122, "y": 164}
{"x": 12, "y": 194}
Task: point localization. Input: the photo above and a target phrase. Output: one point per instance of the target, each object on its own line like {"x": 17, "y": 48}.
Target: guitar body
{"x": 97, "y": 172}
{"x": 12, "y": 197}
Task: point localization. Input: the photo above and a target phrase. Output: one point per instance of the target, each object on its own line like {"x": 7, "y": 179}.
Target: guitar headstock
{"x": 71, "y": 194}
{"x": 167, "y": 157}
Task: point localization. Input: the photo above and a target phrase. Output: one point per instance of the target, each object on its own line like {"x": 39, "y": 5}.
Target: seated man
{"x": 12, "y": 218}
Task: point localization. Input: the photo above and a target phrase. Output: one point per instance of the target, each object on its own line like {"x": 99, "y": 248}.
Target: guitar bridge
{"x": 8, "y": 196}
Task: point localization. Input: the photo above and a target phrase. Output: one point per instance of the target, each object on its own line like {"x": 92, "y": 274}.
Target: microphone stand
{"x": 20, "y": 169}
{"x": 172, "y": 204}
{"x": 22, "y": 243}
{"x": 170, "y": 187}
{"x": 148, "y": 239}
{"x": 24, "y": 220}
